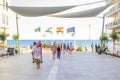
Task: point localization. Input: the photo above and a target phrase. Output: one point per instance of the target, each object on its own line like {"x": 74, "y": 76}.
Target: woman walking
{"x": 58, "y": 51}
{"x": 53, "y": 49}
{"x": 71, "y": 48}
{"x": 37, "y": 56}
{"x": 64, "y": 48}
{"x": 33, "y": 48}
{"x": 40, "y": 46}
{"x": 67, "y": 50}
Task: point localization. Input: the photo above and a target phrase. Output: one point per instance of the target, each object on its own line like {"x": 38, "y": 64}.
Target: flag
{"x": 49, "y": 30}
{"x": 60, "y": 29}
{"x": 71, "y": 29}
{"x": 37, "y": 29}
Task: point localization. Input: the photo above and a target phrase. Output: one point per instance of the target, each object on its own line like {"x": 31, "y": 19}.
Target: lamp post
{"x": 18, "y": 41}
{"x": 103, "y": 24}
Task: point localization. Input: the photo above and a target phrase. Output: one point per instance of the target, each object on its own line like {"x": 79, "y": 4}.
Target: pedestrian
{"x": 71, "y": 48}
{"x": 92, "y": 46}
{"x": 37, "y": 55}
{"x": 96, "y": 48}
{"x": 33, "y": 48}
{"x": 85, "y": 48}
{"x": 53, "y": 49}
{"x": 99, "y": 49}
{"x": 67, "y": 48}
{"x": 64, "y": 48}
{"x": 58, "y": 51}
{"x": 40, "y": 46}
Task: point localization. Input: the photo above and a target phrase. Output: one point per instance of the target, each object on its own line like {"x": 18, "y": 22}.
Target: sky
{"x": 27, "y": 25}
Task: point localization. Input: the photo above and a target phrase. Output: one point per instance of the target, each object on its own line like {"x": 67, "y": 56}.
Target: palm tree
{"x": 113, "y": 36}
{"x": 103, "y": 38}
{"x": 3, "y": 38}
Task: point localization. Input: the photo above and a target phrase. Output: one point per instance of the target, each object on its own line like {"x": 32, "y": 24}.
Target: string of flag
{"x": 58, "y": 30}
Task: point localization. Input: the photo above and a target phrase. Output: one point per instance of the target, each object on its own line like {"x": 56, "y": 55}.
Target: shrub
{"x": 79, "y": 48}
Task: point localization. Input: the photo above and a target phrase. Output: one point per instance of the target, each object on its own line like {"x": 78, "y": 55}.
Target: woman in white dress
{"x": 37, "y": 55}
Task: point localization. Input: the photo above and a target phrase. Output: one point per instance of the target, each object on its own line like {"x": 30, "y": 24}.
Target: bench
{"x": 3, "y": 53}
{"x": 113, "y": 53}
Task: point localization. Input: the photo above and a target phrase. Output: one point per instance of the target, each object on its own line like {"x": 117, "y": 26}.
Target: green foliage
{"x": 15, "y": 37}
{"x": 113, "y": 36}
{"x": 79, "y": 48}
{"x": 44, "y": 45}
{"x": 103, "y": 38}
{"x": 3, "y": 37}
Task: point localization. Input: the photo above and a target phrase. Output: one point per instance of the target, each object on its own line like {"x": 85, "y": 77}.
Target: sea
{"x": 84, "y": 43}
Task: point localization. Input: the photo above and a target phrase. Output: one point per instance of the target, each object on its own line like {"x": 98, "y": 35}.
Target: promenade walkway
{"x": 76, "y": 66}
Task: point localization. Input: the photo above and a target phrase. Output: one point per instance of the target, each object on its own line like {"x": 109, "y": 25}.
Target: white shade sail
{"x": 86, "y": 13}
{"x": 38, "y": 11}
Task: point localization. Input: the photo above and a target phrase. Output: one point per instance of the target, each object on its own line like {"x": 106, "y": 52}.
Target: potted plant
{"x": 114, "y": 37}
{"x": 104, "y": 38}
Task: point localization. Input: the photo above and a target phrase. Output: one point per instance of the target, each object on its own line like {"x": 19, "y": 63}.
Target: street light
{"x": 103, "y": 23}
{"x": 18, "y": 41}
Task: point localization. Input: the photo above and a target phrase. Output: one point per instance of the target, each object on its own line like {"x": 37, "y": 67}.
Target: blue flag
{"x": 71, "y": 29}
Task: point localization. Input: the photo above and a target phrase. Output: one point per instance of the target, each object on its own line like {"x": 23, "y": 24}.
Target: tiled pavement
{"x": 76, "y": 66}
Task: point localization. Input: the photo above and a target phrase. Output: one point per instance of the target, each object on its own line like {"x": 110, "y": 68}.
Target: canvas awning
{"x": 38, "y": 11}
{"x": 29, "y": 11}
{"x": 86, "y": 13}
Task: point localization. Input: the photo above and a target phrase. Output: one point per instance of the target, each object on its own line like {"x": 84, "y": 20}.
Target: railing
{"x": 113, "y": 24}
{"x": 116, "y": 7}
{"x": 108, "y": 1}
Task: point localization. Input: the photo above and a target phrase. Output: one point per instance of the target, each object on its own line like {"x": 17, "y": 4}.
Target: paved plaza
{"x": 76, "y": 66}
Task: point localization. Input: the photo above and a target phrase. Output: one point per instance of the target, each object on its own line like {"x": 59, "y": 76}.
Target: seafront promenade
{"x": 76, "y": 66}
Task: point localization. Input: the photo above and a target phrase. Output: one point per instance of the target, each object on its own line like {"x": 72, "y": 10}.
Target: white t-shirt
{"x": 33, "y": 48}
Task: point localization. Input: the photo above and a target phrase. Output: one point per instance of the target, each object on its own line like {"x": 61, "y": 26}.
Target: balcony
{"x": 113, "y": 24}
{"x": 109, "y": 1}
{"x": 113, "y": 11}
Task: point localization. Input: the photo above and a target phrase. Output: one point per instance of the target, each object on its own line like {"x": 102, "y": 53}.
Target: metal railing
{"x": 115, "y": 8}
{"x": 108, "y": 1}
{"x": 113, "y": 24}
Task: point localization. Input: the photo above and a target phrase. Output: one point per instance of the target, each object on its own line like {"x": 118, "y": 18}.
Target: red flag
{"x": 60, "y": 29}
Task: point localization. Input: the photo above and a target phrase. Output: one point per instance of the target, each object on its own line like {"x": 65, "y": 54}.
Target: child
{"x": 37, "y": 55}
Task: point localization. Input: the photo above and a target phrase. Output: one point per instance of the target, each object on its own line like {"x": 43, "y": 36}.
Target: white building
{"x": 114, "y": 14}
